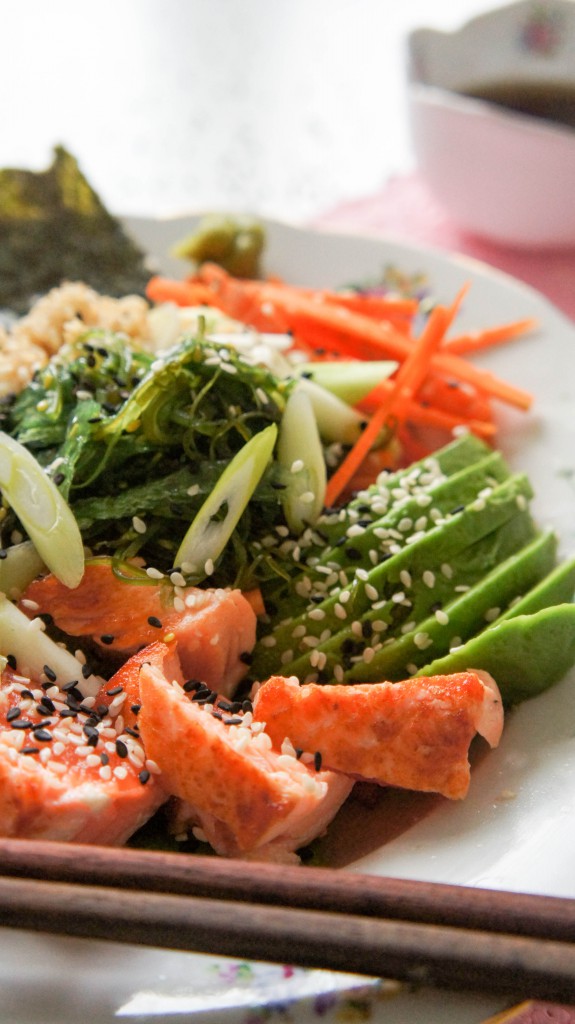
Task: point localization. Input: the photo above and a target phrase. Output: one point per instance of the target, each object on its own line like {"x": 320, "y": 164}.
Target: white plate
{"x": 515, "y": 830}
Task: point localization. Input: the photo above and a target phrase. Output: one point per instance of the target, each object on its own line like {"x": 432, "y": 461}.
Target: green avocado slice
{"x": 459, "y": 551}
{"x": 468, "y": 612}
{"x": 525, "y": 655}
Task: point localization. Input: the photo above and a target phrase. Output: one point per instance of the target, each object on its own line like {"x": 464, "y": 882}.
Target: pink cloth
{"x": 405, "y": 211}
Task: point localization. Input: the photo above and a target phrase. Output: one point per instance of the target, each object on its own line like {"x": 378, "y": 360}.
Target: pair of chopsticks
{"x": 421, "y": 933}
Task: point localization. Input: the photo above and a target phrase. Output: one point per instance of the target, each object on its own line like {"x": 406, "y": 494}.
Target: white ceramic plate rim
{"x": 516, "y": 828}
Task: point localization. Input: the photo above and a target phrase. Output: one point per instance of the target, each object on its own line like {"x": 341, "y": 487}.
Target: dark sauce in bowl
{"x": 551, "y": 101}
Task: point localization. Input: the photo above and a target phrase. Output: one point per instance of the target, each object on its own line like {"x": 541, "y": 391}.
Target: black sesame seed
{"x": 11, "y": 659}
{"x": 153, "y": 620}
{"x": 27, "y": 693}
{"x": 218, "y": 715}
{"x": 225, "y": 705}
{"x": 135, "y": 708}
{"x": 68, "y": 687}
{"x": 115, "y": 691}
{"x": 102, "y": 710}
{"x": 246, "y": 657}
{"x": 59, "y": 478}
{"x": 22, "y": 723}
{"x": 107, "y": 638}
{"x": 3, "y": 553}
{"x": 86, "y": 671}
{"x": 458, "y": 508}
{"x": 68, "y": 713}
{"x": 298, "y": 752}
{"x": 42, "y": 736}
{"x": 104, "y": 758}
{"x": 194, "y": 684}
{"x": 30, "y": 750}
{"x": 317, "y": 760}
{"x": 234, "y": 720}
{"x": 132, "y": 732}
{"x": 121, "y": 748}
{"x": 48, "y": 704}
{"x": 50, "y": 674}
{"x": 91, "y": 734}
{"x": 210, "y": 699}
{"x": 247, "y": 705}
{"x": 354, "y": 554}
{"x": 144, "y": 776}
{"x": 13, "y": 713}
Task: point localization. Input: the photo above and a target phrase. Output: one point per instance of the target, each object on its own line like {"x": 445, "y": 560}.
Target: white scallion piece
{"x": 336, "y": 420}
{"x": 20, "y": 566}
{"x": 207, "y": 537}
{"x": 33, "y": 649}
{"x": 350, "y": 380}
{"x": 299, "y": 443}
{"x": 45, "y": 515}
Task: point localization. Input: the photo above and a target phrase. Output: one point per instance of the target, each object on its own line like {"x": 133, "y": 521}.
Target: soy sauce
{"x": 551, "y": 101}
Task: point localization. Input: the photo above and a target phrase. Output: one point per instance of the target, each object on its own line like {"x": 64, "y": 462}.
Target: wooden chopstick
{"x": 434, "y": 934}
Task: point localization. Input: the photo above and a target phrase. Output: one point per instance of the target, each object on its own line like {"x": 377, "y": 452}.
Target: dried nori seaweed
{"x": 54, "y": 228}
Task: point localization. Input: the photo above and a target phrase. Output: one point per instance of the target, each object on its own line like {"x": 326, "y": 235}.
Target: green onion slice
{"x": 43, "y": 512}
{"x": 207, "y": 536}
{"x": 300, "y": 454}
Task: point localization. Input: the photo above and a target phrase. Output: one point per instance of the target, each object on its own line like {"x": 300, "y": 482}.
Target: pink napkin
{"x": 405, "y": 211}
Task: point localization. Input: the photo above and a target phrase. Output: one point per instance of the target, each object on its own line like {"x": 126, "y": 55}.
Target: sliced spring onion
{"x": 351, "y": 380}
{"x": 336, "y": 420}
{"x": 33, "y": 650}
{"x": 20, "y": 566}
{"x": 300, "y": 453}
{"x": 43, "y": 512}
{"x": 207, "y": 537}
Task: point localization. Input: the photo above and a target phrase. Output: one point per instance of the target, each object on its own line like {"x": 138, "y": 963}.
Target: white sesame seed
{"x": 268, "y": 641}
{"x": 405, "y": 524}
{"x": 521, "y": 501}
{"x": 339, "y": 611}
{"x": 422, "y": 640}
{"x": 152, "y": 766}
{"x": 105, "y": 772}
{"x": 209, "y": 566}
{"x": 441, "y": 617}
{"x": 491, "y": 614}
{"x": 178, "y": 579}
{"x": 428, "y": 578}
{"x": 154, "y": 574}
{"x": 139, "y": 524}
{"x": 296, "y": 466}
{"x": 193, "y": 490}
{"x": 286, "y": 657}
{"x": 447, "y": 571}
{"x": 398, "y": 597}
{"x": 338, "y": 673}
{"x": 405, "y": 578}
{"x": 368, "y": 655}
{"x": 316, "y": 613}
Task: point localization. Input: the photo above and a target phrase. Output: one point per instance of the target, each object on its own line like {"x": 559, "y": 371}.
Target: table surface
{"x": 284, "y": 108}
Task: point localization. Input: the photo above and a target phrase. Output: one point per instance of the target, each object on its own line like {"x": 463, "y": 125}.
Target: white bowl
{"x": 503, "y": 175}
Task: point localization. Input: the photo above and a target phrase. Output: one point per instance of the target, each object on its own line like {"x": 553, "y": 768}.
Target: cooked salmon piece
{"x": 249, "y": 800}
{"x": 413, "y": 734}
{"x": 215, "y": 629}
{"x": 73, "y": 768}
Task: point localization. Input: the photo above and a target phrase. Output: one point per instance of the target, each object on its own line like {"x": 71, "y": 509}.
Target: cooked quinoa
{"x": 60, "y": 317}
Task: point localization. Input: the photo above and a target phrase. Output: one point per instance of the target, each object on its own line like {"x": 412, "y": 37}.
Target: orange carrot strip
{"x": 183, "y": 293}
{"x": 465, "y": 344}
{"x": 407, "y": 380}
{"x": 363, "y": 337}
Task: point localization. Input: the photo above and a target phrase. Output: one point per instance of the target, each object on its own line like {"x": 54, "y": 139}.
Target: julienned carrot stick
{"x": 183, "y": 293}
{"x": 353, "y": 332}
{"x": 466, "y": 344}
{"x": 408, "y": 379}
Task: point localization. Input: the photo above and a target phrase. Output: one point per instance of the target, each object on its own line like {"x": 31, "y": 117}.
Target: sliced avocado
{"x": 467, "y": 612}
{"x": 525, "y": 655}
{"x": 558, "y": 587}
{"x": 458, "y": 551}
